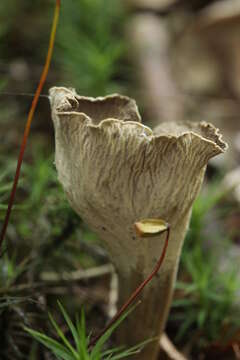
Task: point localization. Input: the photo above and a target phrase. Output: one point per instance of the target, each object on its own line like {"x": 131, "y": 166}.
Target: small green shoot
{"x": 65, "y": 350}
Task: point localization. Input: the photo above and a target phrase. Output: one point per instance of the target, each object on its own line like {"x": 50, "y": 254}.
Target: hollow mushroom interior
{"x": 204, "y": 130}
{"x": 114, "y": 106}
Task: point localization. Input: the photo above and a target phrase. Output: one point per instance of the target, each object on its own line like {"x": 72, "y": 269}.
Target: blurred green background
{"x": 45, "y": 235}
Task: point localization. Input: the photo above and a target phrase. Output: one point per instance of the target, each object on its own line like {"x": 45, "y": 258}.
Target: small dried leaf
{"x": 150, "y": 227}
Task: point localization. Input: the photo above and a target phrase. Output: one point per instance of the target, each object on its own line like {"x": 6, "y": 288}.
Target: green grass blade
{"x": 136, "y": 349}
{"x": 57, "y": 348}
{"x": 63, "y": 337}
{"x": 71, "y": 326}
{"x": 98, "y": 346}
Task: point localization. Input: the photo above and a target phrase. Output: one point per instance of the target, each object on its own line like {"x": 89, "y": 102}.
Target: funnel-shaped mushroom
{"x": 116, "y": 171}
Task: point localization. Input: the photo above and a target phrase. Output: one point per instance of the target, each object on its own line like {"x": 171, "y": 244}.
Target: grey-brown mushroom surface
{"x": 116, "y": 171}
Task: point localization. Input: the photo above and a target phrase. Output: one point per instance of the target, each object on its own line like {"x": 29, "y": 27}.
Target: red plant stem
{"x": 136, "y": 292}
{"x": 30, "y": 118}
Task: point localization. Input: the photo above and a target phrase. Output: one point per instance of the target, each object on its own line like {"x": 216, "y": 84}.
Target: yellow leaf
{"x": 150, "y": 227}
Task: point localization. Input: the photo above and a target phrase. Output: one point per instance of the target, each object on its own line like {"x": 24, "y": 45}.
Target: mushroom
{"x": 115, "y": 171}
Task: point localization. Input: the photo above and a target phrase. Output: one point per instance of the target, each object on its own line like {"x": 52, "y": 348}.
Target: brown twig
{"x": 30, "y": 118}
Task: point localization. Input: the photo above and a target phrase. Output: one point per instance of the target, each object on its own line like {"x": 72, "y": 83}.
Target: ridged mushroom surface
{"x": 116, "y": 171}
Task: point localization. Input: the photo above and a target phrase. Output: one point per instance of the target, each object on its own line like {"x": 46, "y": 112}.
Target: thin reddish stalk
{"x": 30, "y": 118}
{"x": 136, "y": 293}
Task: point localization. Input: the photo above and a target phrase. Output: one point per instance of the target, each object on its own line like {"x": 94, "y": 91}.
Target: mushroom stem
{"x": 149, "y": 319}
{"x": 139, "y": 289}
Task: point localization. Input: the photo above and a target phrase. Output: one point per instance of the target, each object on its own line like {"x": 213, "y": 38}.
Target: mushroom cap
{"x": 116, "y": 171}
